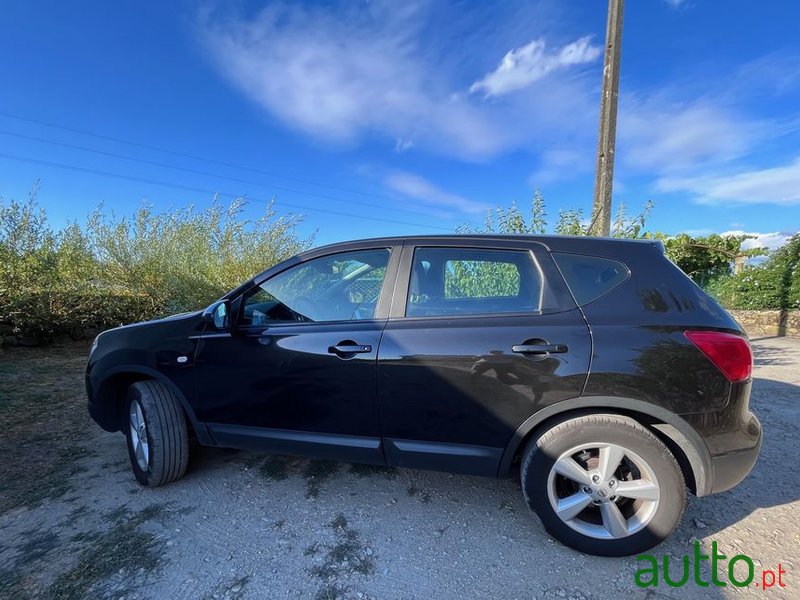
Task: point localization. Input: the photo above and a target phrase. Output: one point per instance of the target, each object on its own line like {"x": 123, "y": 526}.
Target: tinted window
{"x": 480, "y": 279}
{"x": 590, "y": 277}
{"x": 467, "y": 281}
{"x": 338, "y": 287}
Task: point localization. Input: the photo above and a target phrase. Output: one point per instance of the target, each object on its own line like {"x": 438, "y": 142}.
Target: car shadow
{"x": 775, "y": 403}
{"x": 464, "y": 512}
{"x": 765, "y": 355}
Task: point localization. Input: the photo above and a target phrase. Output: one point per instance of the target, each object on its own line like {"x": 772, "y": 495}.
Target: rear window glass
{"x": 590, "y": 277}
{"x": 473, "y": 281}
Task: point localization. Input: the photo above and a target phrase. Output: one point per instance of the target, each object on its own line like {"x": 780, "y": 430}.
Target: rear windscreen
{"x": 590, "y": 277}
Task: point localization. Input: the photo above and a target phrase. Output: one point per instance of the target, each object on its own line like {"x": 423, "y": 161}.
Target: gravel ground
{"x": 243, "y": 525}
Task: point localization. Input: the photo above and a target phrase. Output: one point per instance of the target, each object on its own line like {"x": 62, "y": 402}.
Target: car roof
{"x": 555, "y": 243}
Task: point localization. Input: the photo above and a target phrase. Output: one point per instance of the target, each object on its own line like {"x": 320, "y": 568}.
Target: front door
{"x": 479, "y": 339}
{"x": 298, "y": 371}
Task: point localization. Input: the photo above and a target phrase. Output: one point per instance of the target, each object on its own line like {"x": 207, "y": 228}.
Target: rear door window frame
{"x": 556, "y": 297}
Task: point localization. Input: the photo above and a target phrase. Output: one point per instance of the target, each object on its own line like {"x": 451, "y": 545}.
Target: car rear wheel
{"x": 604, "y": 484}
{"x": 157, "y": 434}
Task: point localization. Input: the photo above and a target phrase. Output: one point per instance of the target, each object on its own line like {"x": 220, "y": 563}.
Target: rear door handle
{"x": 350, "y": 349}
{"x": 539, "y": 348}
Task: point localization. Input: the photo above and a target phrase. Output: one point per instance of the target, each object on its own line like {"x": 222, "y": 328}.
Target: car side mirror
{"x": 217, "y": 315}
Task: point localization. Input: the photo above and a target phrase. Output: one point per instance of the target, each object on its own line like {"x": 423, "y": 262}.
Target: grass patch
{"x": 331, "y": 591}
{"x": 16, "y": 580}
{"x": 346, "y": 556}
{"x": 317, "y": 472}
{"x": 35, "y": 548}
{"x": 363, "y": 470}
{"x": 11, "y": 585}
{"x": 121, "y": 550}
{"x": 44, "y": 422}
{"x": 274, "y": 468}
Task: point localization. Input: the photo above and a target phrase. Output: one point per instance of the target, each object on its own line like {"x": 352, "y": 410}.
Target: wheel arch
{"x": 109, "y": 398}
{"x": 682, "y": 440}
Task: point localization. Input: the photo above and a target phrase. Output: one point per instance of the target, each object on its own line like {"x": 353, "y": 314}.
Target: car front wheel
{"x": 157, "y": 434}
{"x": 604, "y": 485}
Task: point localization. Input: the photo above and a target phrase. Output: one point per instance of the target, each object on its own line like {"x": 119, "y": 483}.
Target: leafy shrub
{"x": 184, "y": 259}
{"x": 120, "y": 270}
{"x": 773, "y": 285}
{"x": 42, "y": 314}
{"x": 707, "y": 258}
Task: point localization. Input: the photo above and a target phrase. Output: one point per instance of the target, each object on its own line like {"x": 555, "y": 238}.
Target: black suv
{"x": 592, "y": 367}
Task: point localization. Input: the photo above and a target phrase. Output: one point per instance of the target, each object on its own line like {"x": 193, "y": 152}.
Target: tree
{"x": 705, "y": 258}
{"x": 570, "y": 221}
{"x": 118, "y": 270}
{"x": 775, "y": 284}
{"x": 511, "y": 221}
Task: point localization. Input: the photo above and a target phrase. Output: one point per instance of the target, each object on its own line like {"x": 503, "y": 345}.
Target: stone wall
{"x": 758, "y": 323}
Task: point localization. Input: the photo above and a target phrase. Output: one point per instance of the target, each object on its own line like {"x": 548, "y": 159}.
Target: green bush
{"x": 42, "y": 314}
{"x": 773, "y": 285}
{"x": 116, "y": 270}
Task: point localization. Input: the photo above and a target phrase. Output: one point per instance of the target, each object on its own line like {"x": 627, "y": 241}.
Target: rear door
{"x": 481, "y": 335}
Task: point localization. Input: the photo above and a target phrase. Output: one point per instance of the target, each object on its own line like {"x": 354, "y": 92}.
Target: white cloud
{"x": 373, "y": 71}
{"x": 523, "y": 66}
{"x": 776, "y": 185}
{"x": 770, "y": 241}
{"x": 420, "y": 188}
{"x": 563, "y": 163}
{"x": 401, "y": 145}
{"x": 655, "y": 134}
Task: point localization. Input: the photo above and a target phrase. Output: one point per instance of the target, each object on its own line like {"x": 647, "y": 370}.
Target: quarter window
{"x": 473, "y": 281}
{"x": 338, "y": 287}
{"x": 590, "y": 277}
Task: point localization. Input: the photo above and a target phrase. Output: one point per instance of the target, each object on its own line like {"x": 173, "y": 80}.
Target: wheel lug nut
{"x": 596, "y": 478}
{"x": 612, "y": 483}
{"x": 587, "y": 489}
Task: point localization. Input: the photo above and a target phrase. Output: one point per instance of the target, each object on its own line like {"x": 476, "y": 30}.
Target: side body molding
{"x": 668, "y": 424}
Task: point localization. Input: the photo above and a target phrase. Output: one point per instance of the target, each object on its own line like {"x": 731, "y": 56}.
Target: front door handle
{"x": 539, "y": 348}
{"x": 349, "y": 349}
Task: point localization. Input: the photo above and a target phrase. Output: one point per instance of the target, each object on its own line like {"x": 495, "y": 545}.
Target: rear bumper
{"x": 730, "y": 468}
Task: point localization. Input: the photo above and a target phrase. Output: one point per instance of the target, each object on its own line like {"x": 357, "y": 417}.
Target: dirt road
{"x": 75, "y": 524}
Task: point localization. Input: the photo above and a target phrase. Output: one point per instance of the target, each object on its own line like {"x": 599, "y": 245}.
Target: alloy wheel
{"x": 603, "y": 490}
{"x": 139, "y": 442}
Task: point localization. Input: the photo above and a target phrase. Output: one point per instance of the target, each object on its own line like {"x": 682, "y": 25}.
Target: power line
{"x": 208, "y": 192}
{"x": 195, "y": 157}
{"x": 207, "y": 174}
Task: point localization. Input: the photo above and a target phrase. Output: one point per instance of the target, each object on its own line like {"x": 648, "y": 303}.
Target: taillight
{"x": 730, "y": 353}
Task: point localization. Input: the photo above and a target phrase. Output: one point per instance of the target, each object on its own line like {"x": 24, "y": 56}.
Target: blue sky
{"x": 376, "y": 118}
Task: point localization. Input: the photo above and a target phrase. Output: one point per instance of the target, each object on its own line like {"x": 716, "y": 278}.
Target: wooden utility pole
{"x": 604, "y": 178}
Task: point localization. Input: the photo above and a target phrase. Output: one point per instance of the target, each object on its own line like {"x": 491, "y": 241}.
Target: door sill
{"x": 326, "y": 446}
{"x": 440, "y": 456}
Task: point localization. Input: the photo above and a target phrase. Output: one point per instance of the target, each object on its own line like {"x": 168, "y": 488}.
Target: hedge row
{"x": 34, "y": 316}
{"x": 772, "y": 285}
{"x": 121, "y": 269}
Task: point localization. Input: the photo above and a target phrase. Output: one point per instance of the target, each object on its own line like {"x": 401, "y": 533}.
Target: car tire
{"x": 157, "y": 434}
{"x": 569, "y": 479}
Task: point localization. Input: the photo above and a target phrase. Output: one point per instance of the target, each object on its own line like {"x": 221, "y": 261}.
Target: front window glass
{"x": 338, "y": 287}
